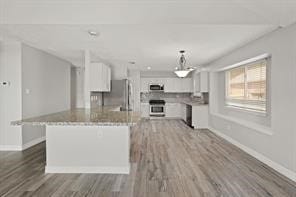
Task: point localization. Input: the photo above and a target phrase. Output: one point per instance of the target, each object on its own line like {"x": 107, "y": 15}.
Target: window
{"x": 246, "y": 86}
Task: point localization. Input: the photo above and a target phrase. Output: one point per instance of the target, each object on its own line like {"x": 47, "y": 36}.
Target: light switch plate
{"x": 5, "y": 83}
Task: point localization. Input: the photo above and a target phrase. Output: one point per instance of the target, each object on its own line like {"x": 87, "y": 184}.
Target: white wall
{"x": 10, "y": 96}
{"x": 135, "y": 79}
{"x": 77, "y": 87}
{"x": 280, "y": 146}
{"x": 47, "y": 78}
{"x": 86, "y": 85}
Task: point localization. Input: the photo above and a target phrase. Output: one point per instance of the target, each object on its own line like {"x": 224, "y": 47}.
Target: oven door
{"x": 157, "y": 110}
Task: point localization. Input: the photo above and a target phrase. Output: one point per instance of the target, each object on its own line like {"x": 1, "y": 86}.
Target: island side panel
{"x": 87, "y": 149}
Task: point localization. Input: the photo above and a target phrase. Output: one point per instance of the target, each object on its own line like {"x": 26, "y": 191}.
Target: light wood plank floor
{"x": 168, "y": 159}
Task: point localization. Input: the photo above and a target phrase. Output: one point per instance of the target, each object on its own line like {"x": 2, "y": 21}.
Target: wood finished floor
{"x": 168, "y": 159}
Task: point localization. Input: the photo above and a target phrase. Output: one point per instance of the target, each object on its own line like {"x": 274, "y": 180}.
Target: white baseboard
{"x": 92, "y": 170}
{"x": 10, "y": 148}
{"x": 279, "y": 168}
{"x": 23, "y": 147}
{"x": 33, "y": 142}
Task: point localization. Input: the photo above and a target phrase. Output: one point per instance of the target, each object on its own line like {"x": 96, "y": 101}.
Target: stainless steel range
{"x": 157, "y": 108}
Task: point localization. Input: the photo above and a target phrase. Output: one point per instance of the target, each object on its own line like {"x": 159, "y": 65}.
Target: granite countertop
{"x": 193, "y": 103}
{"x": 101, "y": 116}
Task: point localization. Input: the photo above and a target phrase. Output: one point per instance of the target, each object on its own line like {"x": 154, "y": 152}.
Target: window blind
{"x": 246, "y": 86}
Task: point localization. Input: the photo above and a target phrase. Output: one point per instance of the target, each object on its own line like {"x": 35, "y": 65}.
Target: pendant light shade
{"x": 183, "y": 71}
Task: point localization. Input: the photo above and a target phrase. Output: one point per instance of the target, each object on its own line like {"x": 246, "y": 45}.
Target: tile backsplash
{"x": 168, "y": 97}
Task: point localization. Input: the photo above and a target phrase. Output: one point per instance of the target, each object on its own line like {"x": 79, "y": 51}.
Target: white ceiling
{"x": 148, "y": 32}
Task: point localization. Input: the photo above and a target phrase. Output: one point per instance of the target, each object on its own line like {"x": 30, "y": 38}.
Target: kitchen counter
{"x": 192, "y": 103}
{"x": 101, "y": 116}
{"x": 82, "y": 140}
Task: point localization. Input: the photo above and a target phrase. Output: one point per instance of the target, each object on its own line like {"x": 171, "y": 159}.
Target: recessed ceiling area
{"x": 149, "y": 33}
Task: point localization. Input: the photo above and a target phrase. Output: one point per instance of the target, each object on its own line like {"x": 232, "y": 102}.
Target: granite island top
{"x": 101, "y": 116}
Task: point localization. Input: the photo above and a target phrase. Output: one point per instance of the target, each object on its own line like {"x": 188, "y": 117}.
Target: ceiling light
{"x": 183, "y": 71}
{"x": 92, "y": 33}
{"x": 149, "y": 68}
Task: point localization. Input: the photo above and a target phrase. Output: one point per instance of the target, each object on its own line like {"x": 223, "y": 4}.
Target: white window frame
{"x": 245, "y": 65}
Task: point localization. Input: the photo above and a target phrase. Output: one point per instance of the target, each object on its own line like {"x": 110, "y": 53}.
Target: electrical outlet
{"x": 99, "y": 134}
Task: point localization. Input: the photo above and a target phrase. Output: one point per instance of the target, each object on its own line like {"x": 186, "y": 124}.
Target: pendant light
{"x": 183, "y": 71}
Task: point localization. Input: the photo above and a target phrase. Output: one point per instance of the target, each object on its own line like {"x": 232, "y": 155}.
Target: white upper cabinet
{"x": 200, "y": 82}
{"x": 186, "y": 85}
{"x": 100, "y": 77}
{"x": 178, "y": 85}
{"x": 170, "y": 84}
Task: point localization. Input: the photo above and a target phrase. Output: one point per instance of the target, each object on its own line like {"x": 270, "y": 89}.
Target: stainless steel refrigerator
{"x": 120, "y": 94}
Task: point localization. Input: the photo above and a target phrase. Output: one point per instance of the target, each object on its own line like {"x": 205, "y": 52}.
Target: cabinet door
{"x": 200, "y": 115}
{"x": 200, "y": 83}
{"x": 177, "y": 110}
{"x": 204, "y": 81}
{"x": 100, "y": 77}
{"x": 187, "y": 84}
{"x": 169, "y": 85}
{"x": 196, "y": 84}
{"x": 184, "y": 85}
{"x": 104, "y": 78}
{"x": 95, "y": 71}
{"x": 178, "y": 85}
{"x": 169, "y": 110}
{"x": 109, "y": 79}
{"x": 172, "y": 110}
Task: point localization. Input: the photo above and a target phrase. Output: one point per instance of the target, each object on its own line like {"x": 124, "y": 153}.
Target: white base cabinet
{"x": 173, "y": 110}
{"x": 200, "y": 113}
{"x": 87, "y": 149}
{"x": 200, "y": 116}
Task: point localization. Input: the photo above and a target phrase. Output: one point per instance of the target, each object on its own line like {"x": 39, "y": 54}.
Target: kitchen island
{"x": 87, "y": 140}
